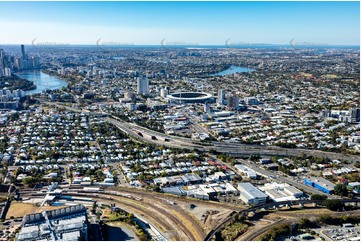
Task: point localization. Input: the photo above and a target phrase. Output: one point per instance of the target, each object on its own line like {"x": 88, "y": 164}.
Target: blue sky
{"x": 203, "y": 23}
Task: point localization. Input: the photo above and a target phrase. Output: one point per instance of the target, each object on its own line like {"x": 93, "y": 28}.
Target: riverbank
{"x": 15, "y": 82}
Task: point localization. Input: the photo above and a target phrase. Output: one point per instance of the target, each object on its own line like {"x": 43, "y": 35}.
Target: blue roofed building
{"x": 320, "y": 184}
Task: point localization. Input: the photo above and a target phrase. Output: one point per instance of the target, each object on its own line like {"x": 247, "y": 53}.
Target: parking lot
{"x": 337, "y": 233}
{"x": 8, "y": 228}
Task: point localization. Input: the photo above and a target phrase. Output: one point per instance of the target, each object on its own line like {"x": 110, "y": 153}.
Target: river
{"x": 42, "y": 81}
{"x": 232, "y": 70}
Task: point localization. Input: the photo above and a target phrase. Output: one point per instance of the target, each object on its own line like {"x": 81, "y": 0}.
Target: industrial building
{"x": 250, "y": 194}
{"x": 246, "y": 171}
{"x": 65, "y": 224}
{"x": 281, "y": 192}
{"x": 320, "y": 184}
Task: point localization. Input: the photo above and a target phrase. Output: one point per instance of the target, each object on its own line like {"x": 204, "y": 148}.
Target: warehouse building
{"x": 250, "y": 194}
{"x": 320, "y": 184}
{"x": 246, "y": 171}
{"x": 281, "y": 192}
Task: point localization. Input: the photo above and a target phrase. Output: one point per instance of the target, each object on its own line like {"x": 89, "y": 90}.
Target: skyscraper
{"x": 7, "y": 71}
{"x": 221, "y": 96}
{"x": 2, "y": 62}
{"x": 233, "y": 102}
{"x": 23, "y": 52}
{"x": 164, "y": 91}
{"x": 142, "y": 85}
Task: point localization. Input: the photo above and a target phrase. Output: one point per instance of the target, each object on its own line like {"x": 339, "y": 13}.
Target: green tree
{"x": 99, "y": 174}
{"x": 318, "y": 197}
{"x": 30, "y": 181}
{"x": 341, "y": 190}
{"x": 333, "y": 204}
{"x": 304, "y": 223}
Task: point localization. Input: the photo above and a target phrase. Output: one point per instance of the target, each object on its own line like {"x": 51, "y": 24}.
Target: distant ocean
{"x": 265, "y": 46}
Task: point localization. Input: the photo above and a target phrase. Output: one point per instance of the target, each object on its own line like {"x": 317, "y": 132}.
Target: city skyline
{"x": 180, "y": 23}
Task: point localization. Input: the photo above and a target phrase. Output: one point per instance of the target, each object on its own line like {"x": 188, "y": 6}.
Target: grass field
{"x": 108, "y": 215}
{"x": 18, "y": 210}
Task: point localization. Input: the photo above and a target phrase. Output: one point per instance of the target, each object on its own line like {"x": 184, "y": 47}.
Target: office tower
{"x": 7, "y": 71}
{"x": 24, "y": 64}
{"x": 221, "y": 96}
{"x": 142, "y": 85}
{"x": 31, "y": 63}
{"x": 17, "y": 63}
{"x": 164, "y": 92}
{"x": 355, "y": 115}
{"x": 23, "y": 52}
{"x": 206, "y": 108}
{"x": 90, "y": 67}
{"x": 233, "y": 102}
{"x": 36, "y": 62}
{"x": 2, "y": 62}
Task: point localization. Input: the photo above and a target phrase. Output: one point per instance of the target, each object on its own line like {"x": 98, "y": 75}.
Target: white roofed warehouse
{"x": 250, "y": 194}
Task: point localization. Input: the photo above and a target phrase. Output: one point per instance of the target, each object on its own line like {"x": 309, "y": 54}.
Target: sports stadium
{"x": 190, "y": 97}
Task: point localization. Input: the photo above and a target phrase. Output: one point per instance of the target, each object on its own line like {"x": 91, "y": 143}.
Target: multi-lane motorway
{"x": 234, "y": 149}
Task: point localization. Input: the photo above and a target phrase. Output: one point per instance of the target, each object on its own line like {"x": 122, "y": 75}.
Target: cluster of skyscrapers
{"x": 26, "y": 62}
{"x": 10, "y": 63}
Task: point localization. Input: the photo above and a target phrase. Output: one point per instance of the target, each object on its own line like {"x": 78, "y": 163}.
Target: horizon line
{"x": 301, "y": 44}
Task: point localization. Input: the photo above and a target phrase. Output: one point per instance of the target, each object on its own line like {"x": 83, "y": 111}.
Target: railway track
{"x": 181, "y": 215}
{"x": 180, "y": 198}
{"x": 160, "y": 223}
{"x": 162, "y": 212}
{"x": 193, "y": 232}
